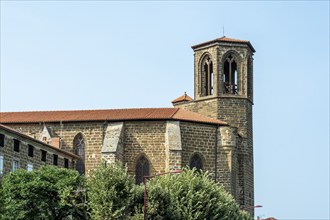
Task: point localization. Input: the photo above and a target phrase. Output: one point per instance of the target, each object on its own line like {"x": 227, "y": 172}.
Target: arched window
{"x": 207, "y": 77}
{"x": 142, "y": 169}
{"x": 196, "y": 161}
{"x": 230, "y": 76}
{"x": 79, "y": 149}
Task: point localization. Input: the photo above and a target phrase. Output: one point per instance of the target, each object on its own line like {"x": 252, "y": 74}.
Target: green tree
{"x": 110, "y": 192}
{"x": 190, "y": 195}
{"x": 46, "y": 193}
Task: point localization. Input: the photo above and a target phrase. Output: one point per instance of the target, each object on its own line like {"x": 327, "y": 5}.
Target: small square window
{"x": 29, "y": 167}
{"x": 16, "y": 145}
{"x": 2, "y": 140}
{"x": 43, "y": 155}
{"x": 55, "y": 159}
{"x": 15, "y": 165}
{"x": 66, "y": 163}
{"x": 30, "y": 150}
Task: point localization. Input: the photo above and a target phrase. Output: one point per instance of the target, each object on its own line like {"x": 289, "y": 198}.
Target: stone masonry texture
{"x": 235, "y": 109}
{"x": 21, "y": 156}
{"x": 226, "y": 151}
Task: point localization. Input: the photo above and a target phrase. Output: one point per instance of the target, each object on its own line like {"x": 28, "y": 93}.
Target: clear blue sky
{"x": 99, "y": 55}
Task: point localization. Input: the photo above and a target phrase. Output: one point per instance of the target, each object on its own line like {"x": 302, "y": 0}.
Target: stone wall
{"x": 168, "y": 145}
{"x": 145, "y": 138}
{"x": 238, "y": 113}
{"x": 139, "y": 137}
{"x": 201, "y": 139}
{"x": 205, "y": 106}
{"x": 9, "y": 155}
{"x": 92, "y": 132}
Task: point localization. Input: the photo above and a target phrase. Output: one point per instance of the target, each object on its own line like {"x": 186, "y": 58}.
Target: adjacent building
{"x": 18, "y": 150}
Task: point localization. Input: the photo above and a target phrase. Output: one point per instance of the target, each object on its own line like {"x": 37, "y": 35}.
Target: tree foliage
{"x": 55, "y": 193}
{"x": 110, "y": 192}
{"x": 46, "y": 193}
{"x": 190, "y": 195}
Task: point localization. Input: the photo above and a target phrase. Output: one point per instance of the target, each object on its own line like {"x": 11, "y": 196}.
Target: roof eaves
{"x": 219, "y": 40}
{"x": 202, "y": 122}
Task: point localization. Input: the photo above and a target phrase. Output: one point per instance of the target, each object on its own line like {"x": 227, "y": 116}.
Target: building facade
{"x": 212, "y": 131}
{"x": 19, "y": 151}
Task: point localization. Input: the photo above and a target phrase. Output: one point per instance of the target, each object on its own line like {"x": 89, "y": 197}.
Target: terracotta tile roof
{"x": 106, "y": 115}
{"x": 225, "y": 39}
{"x": 10, "y": 130}
{"x": 182, "y": 98}
{"x": 185, "y": 115}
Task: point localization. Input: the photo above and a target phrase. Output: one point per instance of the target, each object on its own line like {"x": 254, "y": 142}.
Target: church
{"x": 211, "y": 131}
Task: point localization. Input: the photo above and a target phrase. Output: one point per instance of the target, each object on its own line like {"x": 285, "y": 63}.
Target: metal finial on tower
{"x": 223, "y": 31}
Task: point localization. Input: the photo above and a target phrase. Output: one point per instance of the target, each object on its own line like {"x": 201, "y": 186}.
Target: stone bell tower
{"x": 223, "y": 89}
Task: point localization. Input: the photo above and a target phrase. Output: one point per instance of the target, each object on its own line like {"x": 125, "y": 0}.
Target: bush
{"x": 190, "y": 195}
{"x": 46, "y": 193}
{"x": 110, "y": 192}
{"x": 56, "y": 193}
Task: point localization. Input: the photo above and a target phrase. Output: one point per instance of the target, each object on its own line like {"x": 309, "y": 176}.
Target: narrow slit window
{"x": 16, "y": 145}
{"x": 55, "y": 159}
{"x": 66, "y": 163}
{"x": 207, "y": 77}
{"x": 43, "y": 155}
{"x": 2, "y": 140}
{"x": 30, "y": 150}
{"x": 230, "y": 76}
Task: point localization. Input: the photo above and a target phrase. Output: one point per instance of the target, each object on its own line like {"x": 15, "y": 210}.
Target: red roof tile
{"x": 106, "y": 115}
{"x": 225, "y": 39}
{"x": 182, "y": 98}
{"x": 185, "y": 115}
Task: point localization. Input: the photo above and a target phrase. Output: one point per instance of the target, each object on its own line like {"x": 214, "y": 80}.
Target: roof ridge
{"x": 230, "y": 38}
{"x": 172, "y": 113}
{"x": 176, "y": 110}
